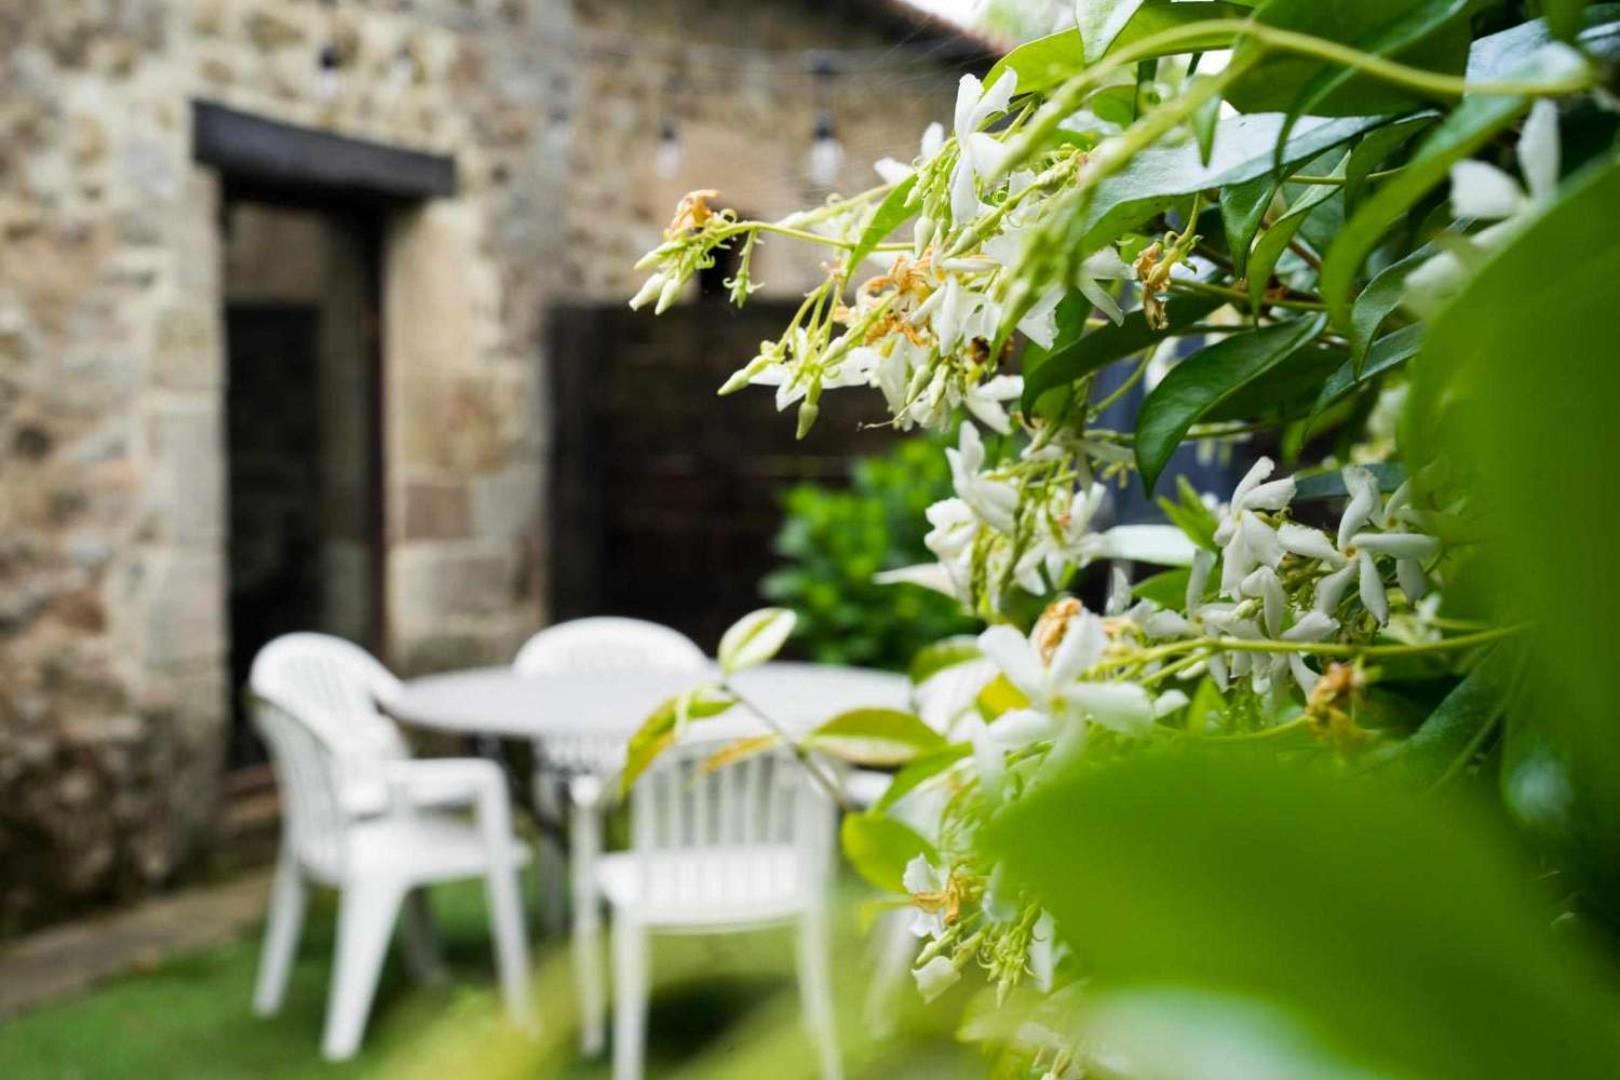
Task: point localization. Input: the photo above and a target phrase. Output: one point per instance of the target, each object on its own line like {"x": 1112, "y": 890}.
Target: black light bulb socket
{"x": 824, "y": 126}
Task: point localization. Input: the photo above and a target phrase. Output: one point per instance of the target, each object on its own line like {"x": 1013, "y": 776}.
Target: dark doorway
{"x": 303, "y": 432}
{"x": 665, "y": 499}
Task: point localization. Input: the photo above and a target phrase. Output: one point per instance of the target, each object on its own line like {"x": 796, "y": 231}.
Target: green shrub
{"x": 835, "y": 539}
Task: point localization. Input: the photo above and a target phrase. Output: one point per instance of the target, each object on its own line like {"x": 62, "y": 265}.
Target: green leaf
{"x": 1405, "y": 27}
{"x": 1106, "y": 344}
{"x": 1167, "y": 589}
{"x": 1470, "y": 126}
{"x": 1287, "y": 392}
{"x": 1243, "y": 207}
{"x": 661, "y": 728}
{"x": 1203, "y": 381}
{"x": 1375, "y": 148}
{"x": 1190, "y": 515}
{"x": 1203, "y": 123}
{"x": 879, "y": 847}
{"x": 1381, "y": 296}
{"x": 1275, "y": 240}
{"x": 935, "y": 658}
{"x": 890, "y": 214}
{"x": 754, "y": 639}
{"x": 1429, "y": 34}
{"x": 1047, "y": 61}
{"x": 920, "y": 772}
{"x": 1539, "y": 445}
{"x": 1158, "y": 178}
{"x": 1099, "y": 22}
{"x": 874, "y": 737}
{"x": 1563, "y": 17}
{"x": 1330, "y": 485}
{"x": 1453, "y": 730}
{"x": 1387, "y": 352}
{"x": 1349, "y": 905}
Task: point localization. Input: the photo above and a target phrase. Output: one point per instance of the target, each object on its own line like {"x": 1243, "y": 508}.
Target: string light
{"x": 826, "y": 157}
{"x": 667, "y": 160}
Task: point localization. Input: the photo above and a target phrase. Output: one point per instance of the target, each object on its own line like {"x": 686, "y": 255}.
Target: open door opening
{"x": 303, "y": 430}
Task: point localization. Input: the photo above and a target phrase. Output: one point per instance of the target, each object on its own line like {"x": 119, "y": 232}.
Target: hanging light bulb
{"x": 826, "y": 153}
{"x": 329, "y": 77}
{"x": 667, "y": 159}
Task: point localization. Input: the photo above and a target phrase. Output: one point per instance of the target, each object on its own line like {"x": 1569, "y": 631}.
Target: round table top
{"x": 499, "y": 701}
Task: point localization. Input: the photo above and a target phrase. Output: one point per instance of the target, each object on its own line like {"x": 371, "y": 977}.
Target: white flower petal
{"x": 1363, "y": 505}
{"x": 1538, "y": 151}
{"x": 1330, "y": 589}
{"x": 1414, "y": 582}
{"x": 1084, "y": 640}
{"x": 1372, "y": 588}
{"x": 1401, "y": 545}
{"x": 891, "y": 171}
{"x": 1479, "y": 190}
{"x": 1122, "y": 707}
{"x": 921, "y": 877}
{"x": 939, "y": 974}
{"x": 1016, "y": 658}
{"x": 1308, "y": 542}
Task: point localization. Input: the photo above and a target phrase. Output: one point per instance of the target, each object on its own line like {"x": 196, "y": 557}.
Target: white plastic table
{"x": 581, "y": 724}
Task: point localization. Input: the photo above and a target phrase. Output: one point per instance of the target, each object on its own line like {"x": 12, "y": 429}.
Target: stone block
{"x": 437, "y": 510}
{"x": 185, "y": 481}
{"x": 181, "y": 598}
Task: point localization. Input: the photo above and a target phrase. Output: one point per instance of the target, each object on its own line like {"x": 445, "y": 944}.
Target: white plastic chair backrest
{"x": 318, "y": 674}
{"x": 752, "y": 834}
{"x": 314, "y": 818}
{"x": 606, "y": 644}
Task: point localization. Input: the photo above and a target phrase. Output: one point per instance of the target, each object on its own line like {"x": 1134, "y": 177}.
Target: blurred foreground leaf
{"x": 1404, "y": 933}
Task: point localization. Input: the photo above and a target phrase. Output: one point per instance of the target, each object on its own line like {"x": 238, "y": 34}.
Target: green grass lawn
{"x": 722, "y": 1007}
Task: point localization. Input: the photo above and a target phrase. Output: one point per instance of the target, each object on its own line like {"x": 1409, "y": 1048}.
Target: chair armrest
{"x": 458, "y": 782}
{"x": 443, "y": 782}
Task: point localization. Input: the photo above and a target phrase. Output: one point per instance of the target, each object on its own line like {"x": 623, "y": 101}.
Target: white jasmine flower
{"x": 979, "y": 154}
{"x": 1044, "y": 952}
{"x": 893, "y": 172}
{"x": 1055, "y": 688}
{"x": 1247, "y": 541}
{"x": 1039, "y": 323}
{"x": 922, "y": 879}
{"x": 984, "y": 401}
{"x": 1104, "y": 265}
{"x": 994, "y": 502}
{"x": 1482, "y": 191}
{"x": 1009, "y": 731}
{"x": 936, "y": 977}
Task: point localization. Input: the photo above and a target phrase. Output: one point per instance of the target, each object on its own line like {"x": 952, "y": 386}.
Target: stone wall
{"x": 113, "y": 686}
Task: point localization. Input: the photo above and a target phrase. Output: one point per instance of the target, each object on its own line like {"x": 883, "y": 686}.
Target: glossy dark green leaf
{"x": 1376, "y": 147}
{"x": 1275, "y": 240}
{"x": 891, "y": 213}
{"x": 1202, "y": 381}
{"x": 1108, "y": 343}
{"x": 1537, "y": 444}
{"x": 1158, "y": 178}
{"x": 1429, "y": 34}
{"x": 1167, "y": 588}
{"x": 1203, "y": 127}
{"x": 1469, "y": 126}
{"x": 1403, "y": 27}
{"x": 1563, "y": 17}
{"x": 878, "y": 847}
{"x": 1351, "y": 906}
{"x": 1387, "y": 352}
{"x": 1045, "y": 62}
{"x": 1243, "y": 207}
{"x": 1330, "y": 485}
{"x": 1099, "y": 22}
{"x": 1286, "y": 393}
{"x": 1382, "y": 295}
{"x": 1453, "y": 731}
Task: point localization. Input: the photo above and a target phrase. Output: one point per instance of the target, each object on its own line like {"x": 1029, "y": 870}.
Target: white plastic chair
{"x": 738, "y": 848}
{"x": 597, "y": 645}
{"x": 359, "y": 819}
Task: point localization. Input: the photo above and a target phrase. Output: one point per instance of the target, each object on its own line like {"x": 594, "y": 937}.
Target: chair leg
{"x": 366, "y": 914}
{"x": 815, "y": 988}
{"x": 422, "y": 953}
{"x": 629, "y": 997}
{"x": 284, "y": 922}
{"x": 511, "y": 944}
{"x": 586, "y": 836}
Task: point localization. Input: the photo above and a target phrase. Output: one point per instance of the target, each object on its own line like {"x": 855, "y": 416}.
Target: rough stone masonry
{"x": 114, "y": 697}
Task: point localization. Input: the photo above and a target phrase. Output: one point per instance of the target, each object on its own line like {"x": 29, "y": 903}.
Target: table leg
{"x": 550, "y": 865}
{"x": 585, "y": 844}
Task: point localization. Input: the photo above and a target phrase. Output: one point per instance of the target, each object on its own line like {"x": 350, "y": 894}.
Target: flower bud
{"x": 670, "y": 293}
{"x": 649, "y": 289}
{"x": 808, "y": 411}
